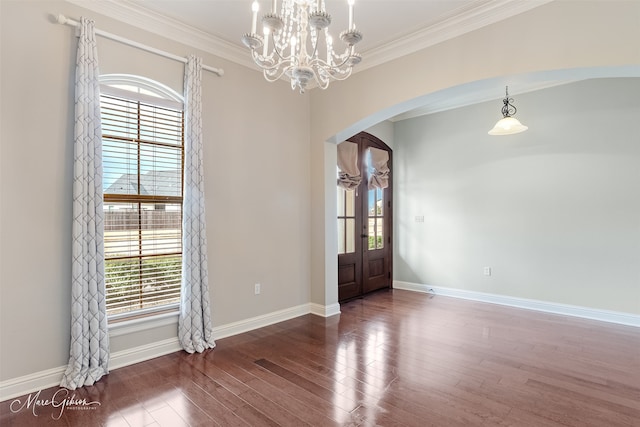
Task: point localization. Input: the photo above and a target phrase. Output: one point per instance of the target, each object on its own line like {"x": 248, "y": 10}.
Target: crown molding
{"x": 131, "y": 13}
{"x": 454, "y": 24}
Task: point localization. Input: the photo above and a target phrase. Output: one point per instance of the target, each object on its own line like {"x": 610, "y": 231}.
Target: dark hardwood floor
{"x": 394, "y": 358}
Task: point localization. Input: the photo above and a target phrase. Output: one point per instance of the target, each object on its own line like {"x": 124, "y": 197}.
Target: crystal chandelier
{"x": 290, "y": 44}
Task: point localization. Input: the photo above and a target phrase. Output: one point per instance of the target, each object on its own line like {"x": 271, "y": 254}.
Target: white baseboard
{"x": 250, "y": 324}
{"x": 324, "y": 310}
{"x": 30, "y": 383}
{"x": 529, "y": 304}
{"x": 26, "y": 384}
{"x": 141, "y": 353}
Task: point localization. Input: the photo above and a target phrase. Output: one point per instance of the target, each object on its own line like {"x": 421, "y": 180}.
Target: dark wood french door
{"x": 365, "y": 228}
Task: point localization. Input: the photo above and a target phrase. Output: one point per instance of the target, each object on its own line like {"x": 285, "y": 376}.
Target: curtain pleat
{"x": 194, "y": 323}
{"x": 379, "y": 176}
{"x": 348, "y": 174}
{"x": 89, "y": 349}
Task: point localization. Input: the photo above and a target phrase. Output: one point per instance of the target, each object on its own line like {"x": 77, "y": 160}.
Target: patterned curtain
{"x": 89, "y": 352}
{"x": 194, "y": 324}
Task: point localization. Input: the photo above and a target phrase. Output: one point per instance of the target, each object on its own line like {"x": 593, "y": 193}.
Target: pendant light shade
{"x": 508, "y": 125}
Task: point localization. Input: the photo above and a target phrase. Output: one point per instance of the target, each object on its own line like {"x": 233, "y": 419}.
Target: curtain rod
{"x": 61, "y": 19}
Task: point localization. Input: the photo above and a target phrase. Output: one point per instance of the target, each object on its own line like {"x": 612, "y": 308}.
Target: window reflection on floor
{"x": 361, "y": 361}
{"x": 346, "y": 368}
{"x": 164, "y": 409}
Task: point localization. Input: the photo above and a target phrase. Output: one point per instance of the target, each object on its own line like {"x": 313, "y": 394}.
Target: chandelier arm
{"x": 349, "y": 51}
{"x": 320, "y": 63}
{"x": 323, "y": 82}
{"x": 256, "y": 58}
{"x": 315, "y": 47}
{"x": 343, "y": 75}
{"x": 335, "y": 72}
{"x": 264, "y": 65}
{"x": 277, "y": 52}
{"x": 276, "y": 76}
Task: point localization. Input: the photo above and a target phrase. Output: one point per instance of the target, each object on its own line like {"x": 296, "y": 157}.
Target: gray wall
{"x": 560, "y": 38}
{"x": 554, "y": 211}
{"x": 258, "y": 216}
{"x": 263, "y": 225}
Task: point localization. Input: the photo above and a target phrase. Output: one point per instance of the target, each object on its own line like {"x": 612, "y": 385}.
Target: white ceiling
{"x": 380, "y": 21}
{"x": 391, "y": 28}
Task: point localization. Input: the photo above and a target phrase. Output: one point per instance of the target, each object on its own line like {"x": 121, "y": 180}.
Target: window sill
{"x": 140, "y": 324}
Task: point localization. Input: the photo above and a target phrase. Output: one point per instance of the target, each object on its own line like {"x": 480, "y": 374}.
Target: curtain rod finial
{"x": 60, "y": 18}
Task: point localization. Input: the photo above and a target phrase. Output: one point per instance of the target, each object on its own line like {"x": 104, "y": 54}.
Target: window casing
{"x": 143, "y": 158}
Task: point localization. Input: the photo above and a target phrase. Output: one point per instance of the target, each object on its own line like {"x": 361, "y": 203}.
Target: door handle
{"x": 363, "y": 235}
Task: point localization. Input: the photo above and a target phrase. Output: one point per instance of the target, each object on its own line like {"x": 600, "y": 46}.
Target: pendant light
{"x": 508, "y": 124}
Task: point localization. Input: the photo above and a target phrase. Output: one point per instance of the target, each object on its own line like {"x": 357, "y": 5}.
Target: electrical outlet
{"x": 487, "y": 271}
{"x": 257, "y": 289}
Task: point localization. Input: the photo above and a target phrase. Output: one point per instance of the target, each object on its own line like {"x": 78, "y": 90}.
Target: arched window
{"x": 142, "y": 140}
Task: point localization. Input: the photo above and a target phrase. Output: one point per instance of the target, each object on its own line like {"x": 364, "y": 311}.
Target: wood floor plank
{"x": 393, "y": 358}
{"x": 335, "y": 412}
{"x": 272, "y": 409}
{"x": 309, "y": 415}
{"x": 346, "y": 403}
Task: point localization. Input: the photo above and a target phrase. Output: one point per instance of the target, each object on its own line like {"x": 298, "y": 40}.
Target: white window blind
{"x": 143, "y": 169}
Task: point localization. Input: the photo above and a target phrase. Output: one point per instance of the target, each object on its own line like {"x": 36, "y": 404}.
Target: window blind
{"x": 142, "y": 185}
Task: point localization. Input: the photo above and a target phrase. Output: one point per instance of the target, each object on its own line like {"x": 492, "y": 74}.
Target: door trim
{"x": 364, "y": 141}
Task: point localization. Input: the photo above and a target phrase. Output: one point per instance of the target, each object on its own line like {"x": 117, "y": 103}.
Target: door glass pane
{"x": 351, "y": 235}
{"x": 371, "y": 202}
{"x": 379, "y": 219}
{"x": 346, "y": 221}
{"x": 372, "y": 233}
{"x": 341, "y": 196}
{"x": 375, "y": 205}
{"x": 341, "y": 236}
{"x": 350, "y": 202}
